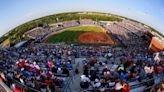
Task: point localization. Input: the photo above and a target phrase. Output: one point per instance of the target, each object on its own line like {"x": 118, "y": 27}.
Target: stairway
{"x": 75, "y": 86}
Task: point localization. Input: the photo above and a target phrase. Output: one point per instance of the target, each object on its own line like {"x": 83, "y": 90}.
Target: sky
{"x": 16, "y": 12}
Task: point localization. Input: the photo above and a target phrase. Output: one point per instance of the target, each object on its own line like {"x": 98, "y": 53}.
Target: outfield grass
{"x": 71, "y": 34}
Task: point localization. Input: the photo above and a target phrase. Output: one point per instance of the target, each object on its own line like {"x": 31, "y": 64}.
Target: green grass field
{"x": 71, "y": 35}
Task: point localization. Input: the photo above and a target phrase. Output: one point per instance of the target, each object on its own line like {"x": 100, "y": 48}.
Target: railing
{"x": 141, "y": 83}
{"x": 131, "y": 87}
{"x": 24, "y": 87}
{"x": 153, "y": 88}
{"x": 4, "y": 87}
{"x": 30, "y": 89}
{"x": 66, "y": 87}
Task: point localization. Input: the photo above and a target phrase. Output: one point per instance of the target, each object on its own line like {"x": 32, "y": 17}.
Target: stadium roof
{"x": 20, "y": 44}
{"x": 155, "y": 45}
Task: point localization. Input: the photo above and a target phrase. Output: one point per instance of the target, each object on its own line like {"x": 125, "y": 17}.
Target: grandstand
{"x": 86, "y": 22}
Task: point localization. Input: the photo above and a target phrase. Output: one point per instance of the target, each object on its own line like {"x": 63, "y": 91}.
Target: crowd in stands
{"x": 38, "y": 66}
{"x": 137, "y": 25}
{"x": 72, "y": 23}
{"x": 117, "y": 74}
{"x": 135, "y": 28}
{"x": 87, "y": 22}
{"x": 36, "y": 32}
{"x": 127, "y": 35}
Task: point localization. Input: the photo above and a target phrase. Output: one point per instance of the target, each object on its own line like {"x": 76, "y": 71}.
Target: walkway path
{"x": 75, "y": 86}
